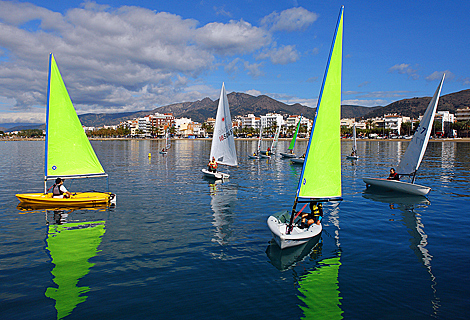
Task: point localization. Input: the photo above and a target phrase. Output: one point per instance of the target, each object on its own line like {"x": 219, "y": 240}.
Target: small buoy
{"x": 150, "y": 155}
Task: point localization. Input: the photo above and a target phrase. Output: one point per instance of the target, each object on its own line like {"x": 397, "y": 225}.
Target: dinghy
{"x": 257, "y": 154}
{"x": 411, "y": 160}
{"x": 167, "y": 145}
{"x": 223, "y": 143}
{"x": 299, "y": 161}
{"x": 274, "y": 143}
{"x": 290, "y": 150}
{"x": 320, "y": 179}
{"x": 353, "y": 155}
{"x": 68, "y": 152}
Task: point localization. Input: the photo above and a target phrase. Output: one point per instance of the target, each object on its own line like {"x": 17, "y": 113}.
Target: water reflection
{"x": 70, "y": 245}
{"x": 412, "y": 220}
{"x": 318, "y": 286}
{"x": 223, "y": 201}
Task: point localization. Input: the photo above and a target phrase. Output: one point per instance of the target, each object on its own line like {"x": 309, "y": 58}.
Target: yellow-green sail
{"x": 321, "y": 174}
{"x": 320, "y": 291}
{"x": 71, "y": 245}
{"x": 294, "y": 138}
{"x": 68, "y": 150}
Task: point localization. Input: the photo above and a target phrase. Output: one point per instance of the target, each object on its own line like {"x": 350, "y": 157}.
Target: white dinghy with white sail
{"x": 223, "y": 142}
{"x": 353, "y": 155}
{"x": 273, "y": 148}
{"x": 320, "y": 180}
{"x": 411, "y": 160}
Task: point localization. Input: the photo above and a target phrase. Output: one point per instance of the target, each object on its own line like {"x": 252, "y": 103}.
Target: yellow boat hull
{"x": 76, "y": 200}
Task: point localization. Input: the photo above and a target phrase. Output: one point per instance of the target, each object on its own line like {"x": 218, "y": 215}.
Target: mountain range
{"x": 242, "y": 104}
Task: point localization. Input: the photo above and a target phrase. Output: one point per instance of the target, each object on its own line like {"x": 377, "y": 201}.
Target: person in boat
{"x": 268, "y": 151}
{"x": 59, "y": 190}
{"x": 393, "y": 175}
{"x": 212, "y": 166}
{"x": 314, "y": 216}
{"x": 353, "y": 153}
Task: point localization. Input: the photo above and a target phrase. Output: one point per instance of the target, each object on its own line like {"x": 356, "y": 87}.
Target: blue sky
{"x": 137, "y": 55}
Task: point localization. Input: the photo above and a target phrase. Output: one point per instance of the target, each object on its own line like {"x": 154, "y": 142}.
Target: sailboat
{"x": 223, "y": 143}
{"x": 290, "y": 150}
{"x": 167, "y": 145}
{"x": 273, "y": 148}
{"x": 320, "y": 179}
{"x": 353, "y": 155}
{"x": 258, "y": 154}
{"x": 68, "y": 152}
{"x": 411, "y": 160}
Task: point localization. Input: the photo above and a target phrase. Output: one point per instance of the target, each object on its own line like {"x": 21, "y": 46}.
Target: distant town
{"x": 157, "y": 125}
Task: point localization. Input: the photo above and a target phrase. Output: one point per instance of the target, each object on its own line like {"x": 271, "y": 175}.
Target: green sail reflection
{"x": 71, "y": 245}
{"x": 320, "y": 291}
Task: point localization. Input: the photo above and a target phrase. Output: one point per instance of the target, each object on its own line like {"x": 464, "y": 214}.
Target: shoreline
{"x": 241, "y": 139}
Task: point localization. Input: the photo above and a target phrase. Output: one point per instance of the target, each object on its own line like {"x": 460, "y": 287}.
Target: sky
{"x": 120, "y": 56}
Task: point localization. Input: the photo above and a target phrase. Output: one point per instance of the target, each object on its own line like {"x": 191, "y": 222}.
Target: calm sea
{"x": 178, "y": 246}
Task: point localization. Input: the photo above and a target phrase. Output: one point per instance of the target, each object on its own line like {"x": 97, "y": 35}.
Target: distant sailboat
{"x": 353, "y": 155}
{"x": 411, "y": 160}
{"x": 320, "y": 180}
{"x": 167, "y": 145}
{"x": 68, "y": 152}
{"x": 273, "y": 148}
{"x": 223, "y": 143}
{"x": 290, "y": 150}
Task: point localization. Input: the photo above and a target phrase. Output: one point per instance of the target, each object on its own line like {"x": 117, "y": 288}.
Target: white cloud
{"x": 405, "y": 69}
{"x": 283, "y": 55}
{"x": 437, "y": 75}
{"x": 294, "y": 19}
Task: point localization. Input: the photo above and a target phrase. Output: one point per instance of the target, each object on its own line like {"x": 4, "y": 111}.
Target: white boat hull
{"x": 215, "y": 175}
{"x": 297, "y": 160}
{"x": 264, "y": 156}
{"x": 398, "y": 186}
{"x": 287, "y": 155}
{"x": 352, "y": 157}
{"x": 296, "y": 237}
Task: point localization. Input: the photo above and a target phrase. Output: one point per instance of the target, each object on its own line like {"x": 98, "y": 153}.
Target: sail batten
{"x": 223, "y": 142}
{"x": 321, "y": 173}
{"x": 68, "y": 151}
{"x": 413, "y": 156}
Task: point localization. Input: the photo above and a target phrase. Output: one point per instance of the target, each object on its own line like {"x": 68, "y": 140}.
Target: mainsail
{"x": 354, "y": 137}
{"x": 294, "y": 138}
{"x": 223, "y": 143}
{"x": 321, "y": 173}
{"x": 411, "y": 160}
{"x": 276, "y": 138}
{"x": 69, "y": 153}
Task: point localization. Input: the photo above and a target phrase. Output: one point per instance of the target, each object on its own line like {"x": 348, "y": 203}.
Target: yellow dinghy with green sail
{"x": 68, "y": 152}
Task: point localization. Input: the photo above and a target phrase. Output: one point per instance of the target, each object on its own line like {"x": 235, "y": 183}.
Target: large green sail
{"x": 294, "y": 138}
{"x": 321, "y": 174}
{"x": 71, "y": 245}
{"x": 68, "y": 150}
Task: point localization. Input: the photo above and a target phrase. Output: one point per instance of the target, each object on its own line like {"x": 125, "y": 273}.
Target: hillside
{"x": 242, "y": 104}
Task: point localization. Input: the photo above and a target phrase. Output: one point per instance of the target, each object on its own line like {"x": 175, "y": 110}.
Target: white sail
{"x": 223, "y": 143}
{"x": 417, "y": 147}
{"x": 276, "y": 138}
{"x": 259, "y": 139}
{"x": 354, "y": 137}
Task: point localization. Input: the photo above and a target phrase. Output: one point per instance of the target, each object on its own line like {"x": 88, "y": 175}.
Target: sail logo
{"x": 226, "y": 135}
{"x": 54, "y": 167}
{"x": 304, "y": 182}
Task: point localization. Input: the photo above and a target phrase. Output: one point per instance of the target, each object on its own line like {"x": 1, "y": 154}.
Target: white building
{"x": 250, "y": 121}
{"x": 272, "y": 119}
{"x": 393, "y": 122}
{"x": 462, "y": 114}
